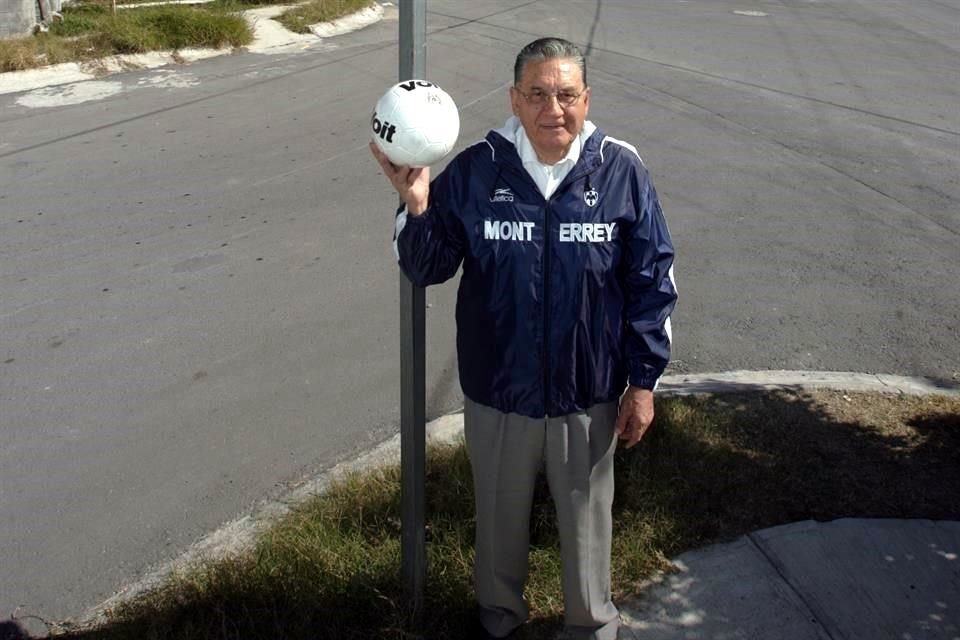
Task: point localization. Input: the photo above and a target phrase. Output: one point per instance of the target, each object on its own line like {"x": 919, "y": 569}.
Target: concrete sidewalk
{"x": 851, "y": 579}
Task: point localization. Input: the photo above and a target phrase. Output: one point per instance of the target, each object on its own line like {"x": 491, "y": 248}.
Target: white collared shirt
{"x": 547, "y": 176}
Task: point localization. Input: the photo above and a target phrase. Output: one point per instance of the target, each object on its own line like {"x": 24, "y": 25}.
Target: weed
{"x": 300, "y": 18}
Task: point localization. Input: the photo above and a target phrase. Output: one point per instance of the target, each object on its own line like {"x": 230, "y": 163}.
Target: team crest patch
{"x": 590, "y": 197}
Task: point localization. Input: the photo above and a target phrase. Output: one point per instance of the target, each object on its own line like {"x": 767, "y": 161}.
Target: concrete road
{"x": 198, "y": 299}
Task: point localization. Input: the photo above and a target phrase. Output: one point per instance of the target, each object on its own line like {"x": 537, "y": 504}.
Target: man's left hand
{"x": 636, "y": 414}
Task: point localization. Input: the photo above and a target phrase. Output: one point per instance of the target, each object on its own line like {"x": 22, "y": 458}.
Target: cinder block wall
{"x": 17, "y": 17}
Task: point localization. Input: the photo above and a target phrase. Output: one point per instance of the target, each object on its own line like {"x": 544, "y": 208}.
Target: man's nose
{"x": 553, "y": 104}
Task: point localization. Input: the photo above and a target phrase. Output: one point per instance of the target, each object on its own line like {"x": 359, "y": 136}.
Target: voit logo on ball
{"x": 415, "y": 123}
{"x": 383, "y": 129}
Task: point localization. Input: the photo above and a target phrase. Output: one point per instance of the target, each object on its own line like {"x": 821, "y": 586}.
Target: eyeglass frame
{"x": 545, "y": 97}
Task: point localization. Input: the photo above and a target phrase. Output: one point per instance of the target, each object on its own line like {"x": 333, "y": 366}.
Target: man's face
{"x": 551, "y": 126}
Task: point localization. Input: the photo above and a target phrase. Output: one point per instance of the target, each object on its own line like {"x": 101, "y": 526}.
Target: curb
{"x": 733, "y": 381}
{"x": 240, "y": 534}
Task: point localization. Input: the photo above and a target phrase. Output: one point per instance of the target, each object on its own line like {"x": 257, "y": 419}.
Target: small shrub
{"x": 75, "y": 24}
{"x": 127, "y": 36}
{"x": 17, "y": 54}
{"x": 299, "y": 19}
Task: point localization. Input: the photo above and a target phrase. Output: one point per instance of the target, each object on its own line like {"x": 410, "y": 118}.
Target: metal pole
{"x": 413, "y": 49}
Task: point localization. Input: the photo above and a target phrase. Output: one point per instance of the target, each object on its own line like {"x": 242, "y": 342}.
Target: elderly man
{"x": 562, "y": 323}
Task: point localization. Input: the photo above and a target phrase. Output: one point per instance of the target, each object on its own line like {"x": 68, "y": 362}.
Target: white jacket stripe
{"x": 399, "y": 224}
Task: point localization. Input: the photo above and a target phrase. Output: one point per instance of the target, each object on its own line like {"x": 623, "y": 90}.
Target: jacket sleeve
{"x": 648, "y": 287}
{"x": 430, "y": 247}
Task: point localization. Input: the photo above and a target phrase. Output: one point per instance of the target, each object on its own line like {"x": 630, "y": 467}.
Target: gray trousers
{"x": 506, "y": 452}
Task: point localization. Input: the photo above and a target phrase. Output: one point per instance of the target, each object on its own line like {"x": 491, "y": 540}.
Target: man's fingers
{"x": 636, "y": 415}
{"x": 388, "y": 166}
{"x": 630, "y": 429}
{"x": 620, "y": 424}
{"x": 389, "y": 169}
{"x": 636, "y": 435}
{"x": 375, "y": 150}
{"x": 412, "y": 175}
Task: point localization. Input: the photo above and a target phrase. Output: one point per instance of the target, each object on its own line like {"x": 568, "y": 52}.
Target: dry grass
{"x": 299, "y": 19}
{"x": 711, "y": 469}
{"x": 17, "y": 54}
{"x": 90, "y": 30}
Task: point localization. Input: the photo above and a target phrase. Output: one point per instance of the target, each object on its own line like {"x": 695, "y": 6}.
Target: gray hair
{"x": 548, "y": 48}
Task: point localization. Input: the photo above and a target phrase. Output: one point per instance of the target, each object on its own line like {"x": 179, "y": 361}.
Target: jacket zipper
{"x": 546, "y": 292}
{"x": 547, "y": 246}
{"x": 546, "y": 276}
{"x": 546, "y": 307}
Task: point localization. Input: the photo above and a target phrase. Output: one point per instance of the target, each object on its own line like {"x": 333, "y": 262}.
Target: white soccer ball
{"x": 415, "y": 123}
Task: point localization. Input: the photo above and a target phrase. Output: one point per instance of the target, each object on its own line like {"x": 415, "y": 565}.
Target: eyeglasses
{"x": 538, "y": 98}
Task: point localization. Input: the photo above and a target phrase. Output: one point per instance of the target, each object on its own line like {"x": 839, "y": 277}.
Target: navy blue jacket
{"x": 562, "y": 301}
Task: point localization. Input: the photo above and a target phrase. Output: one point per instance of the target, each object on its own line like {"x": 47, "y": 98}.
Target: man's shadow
{"x": 11, "y": 630}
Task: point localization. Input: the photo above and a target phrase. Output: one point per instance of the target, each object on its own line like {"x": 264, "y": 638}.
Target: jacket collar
{"x": 503, "y": 146}
{"x": 528, "y": 155}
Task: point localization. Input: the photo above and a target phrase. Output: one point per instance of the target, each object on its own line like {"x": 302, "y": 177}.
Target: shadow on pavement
{"x": 745, "y": 461}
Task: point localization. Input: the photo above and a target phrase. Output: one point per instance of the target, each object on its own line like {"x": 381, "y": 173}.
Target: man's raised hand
{"x": 413, "y": 184}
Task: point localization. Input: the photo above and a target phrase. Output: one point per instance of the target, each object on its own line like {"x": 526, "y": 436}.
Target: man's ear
{"x": 515, "y": 98}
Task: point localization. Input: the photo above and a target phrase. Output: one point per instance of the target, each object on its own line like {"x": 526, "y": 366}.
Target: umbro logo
{"x": 502, "y": 195}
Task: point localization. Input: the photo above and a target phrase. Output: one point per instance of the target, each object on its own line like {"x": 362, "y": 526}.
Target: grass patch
{"x": 712, "y": 468}
{"x": 299, "y": 19}
{"x": 90, "y": 30}
{"x": 174, "y": 27}
{"x": 17, "y": 54}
